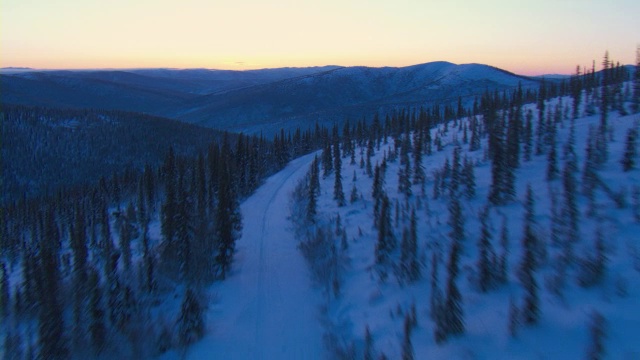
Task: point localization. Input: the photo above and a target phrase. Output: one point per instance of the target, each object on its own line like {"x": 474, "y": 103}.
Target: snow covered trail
{"x": 267, "y": 308}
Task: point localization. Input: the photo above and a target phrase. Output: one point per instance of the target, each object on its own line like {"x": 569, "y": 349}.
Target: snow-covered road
{"x": 267, "y": 308}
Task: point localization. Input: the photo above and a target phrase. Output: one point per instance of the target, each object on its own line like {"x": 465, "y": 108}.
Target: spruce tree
{"x": 5, "y": 299}
{"x": 528, "y": 136}
{"x": 530, "y": 310}
{"x": 51, "y": 333}
{"x": 635, "y": 100}
{"x": 453, "y": 313}
{"x": 338, "y": 194}
{"x": 570, "y": 211}
{"x": 369, "y": 352}
{"x": 228, "y": 217}
{"x": 485, "y": 253}
{"x": 597, "y": 335}
{"x": 552, "y": 163}
{"x": 97, "y": 327}
{"x": 327, "y": 158}
{"x": 469, "y": 178}
{"x": 386, "y": 240}
{"x": 407, "y": 346}
{"x": 504, "y": 254}
{"x": 630, "y": 154}
{"x": 170, "y": 203}
{"x": 514, "y": 318}
{"x": 190, "y": 323}
{"x": 435, "y": 298}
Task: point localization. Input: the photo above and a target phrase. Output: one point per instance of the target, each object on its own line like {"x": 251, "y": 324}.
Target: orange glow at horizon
{"x": 531, "y": 39}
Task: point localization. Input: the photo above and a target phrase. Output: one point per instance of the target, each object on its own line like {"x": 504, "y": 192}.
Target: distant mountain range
{"x": 258, "y": 100}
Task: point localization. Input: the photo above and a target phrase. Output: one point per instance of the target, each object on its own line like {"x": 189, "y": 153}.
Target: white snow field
{"x": 563, "y": 329}
{"x": 265, "y": 309}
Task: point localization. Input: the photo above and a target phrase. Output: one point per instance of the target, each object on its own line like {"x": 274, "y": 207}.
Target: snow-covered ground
{"x": 267, "y": 308}
{"x": 563, "y": 329}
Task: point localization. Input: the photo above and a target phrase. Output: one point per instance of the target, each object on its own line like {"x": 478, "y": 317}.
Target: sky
{"x": 530, "y": 37}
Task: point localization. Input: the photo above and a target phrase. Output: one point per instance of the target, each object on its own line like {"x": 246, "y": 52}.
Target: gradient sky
{"x": 527, "y": 37}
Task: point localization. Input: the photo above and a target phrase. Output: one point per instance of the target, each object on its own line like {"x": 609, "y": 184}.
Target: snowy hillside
{"x": 329, "y": 97}
{"x": 374, "y": 307}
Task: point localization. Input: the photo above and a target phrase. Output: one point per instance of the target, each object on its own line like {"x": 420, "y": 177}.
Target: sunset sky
{"x": 527, "y": 37}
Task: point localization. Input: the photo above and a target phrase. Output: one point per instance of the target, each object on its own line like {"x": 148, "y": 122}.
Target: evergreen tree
{"x": 5, "y": 299}
{"x": 435, "y": 299}
{"x": 530, "y": 310}
{"x": 386, "y": 240}
{"x": 552, "y": 163}
{"x": 418, "y": 171}
{"x": 170, "y": 203}
{"x": 630, "y": 154}
{"x": 190, "y": 323}
{"x": 469, "y": 178}
{"x": 314, "y": 190}
{"x": 453, "y": 313}
{"x": 327, "y": 158}
{"x": 474, "y": 144}
{"x": 228, "y": 218}
{"x": 528, "y": 136}
{"x": 597, "y": 332}
{"x": 593, "y": 267}
{"x": 513, "y": 138}
{"x": 456, "y": 220}
{"x": 485, "y": 254}
{"x": 514, "y": 318}
{"x": 97, "y": 328}
{"x": 504, "y": 255}
{"x": 52, "y": 337}
{"x": 377, "y": 193}
{"x": 338, "y": 194}
{"x": 456, "y": 175}
{"x": 407, "y": 346}
{"x": 368, "y": 344}
{"x": 570, "y": 211}
{"x": 409, "y": 267}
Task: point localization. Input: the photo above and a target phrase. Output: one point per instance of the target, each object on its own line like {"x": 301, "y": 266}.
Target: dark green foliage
{"x": 5, "y": 299}
{"x": 228, "y": 224}
{"x": 409, "y": 266}
{"x": 528, "y": 136}
{"x": 469, "y": 178}
{"x": 314, "y": 190}
{"x": 514, "y": 318}
{"x": 338, "y": 194}
{"x": 407, "y": 346}
{"x": 597, "y": 336}
{"x": 570, "y": 212}
{"x": 190, "y": 323}
{"x": 485, "y": 266}
{"x": 327, "y": 159}
{"x": 97, "y": 327}
{"x": 51, "y": 334}
{"x": 456, "y": 221}
{"x": 453, "y": 313}
{"x": 46, "y": 149}
{"x": 593, "y": 266}
{"x": 528, "y": 264}
{"x": 369, "y": 352}
{"x": 630, "y": 153}
{"x": 386, "y": 240}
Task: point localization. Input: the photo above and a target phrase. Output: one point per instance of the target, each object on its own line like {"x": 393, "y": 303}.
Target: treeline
{"x": 91, "y": 270}
{"x": 514, "y": 136}
{"x": 46, "y": 149}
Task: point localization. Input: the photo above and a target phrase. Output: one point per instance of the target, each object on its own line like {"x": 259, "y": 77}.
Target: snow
{"x": 266, "y": 308}
{"x": 563, "y": 329}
